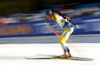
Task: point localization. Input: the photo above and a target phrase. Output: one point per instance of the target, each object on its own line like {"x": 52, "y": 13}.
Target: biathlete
{"x": 68, "y": 29}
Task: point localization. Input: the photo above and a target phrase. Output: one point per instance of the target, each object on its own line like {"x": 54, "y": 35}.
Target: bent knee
{"x": 62, "y": 41}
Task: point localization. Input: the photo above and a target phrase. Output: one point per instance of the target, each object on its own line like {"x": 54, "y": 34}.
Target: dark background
{"x": 17, "y": 6}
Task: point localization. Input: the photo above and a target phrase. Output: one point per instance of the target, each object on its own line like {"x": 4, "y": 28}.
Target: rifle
{"x": 62, "y": 16}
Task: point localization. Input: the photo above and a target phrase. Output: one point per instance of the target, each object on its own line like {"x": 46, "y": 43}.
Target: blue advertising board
{"x": 36, "y": 28}
{"x": 88, "y": 25}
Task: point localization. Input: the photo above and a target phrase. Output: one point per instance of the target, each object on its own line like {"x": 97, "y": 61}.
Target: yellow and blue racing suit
{"x": 67, "y": 31}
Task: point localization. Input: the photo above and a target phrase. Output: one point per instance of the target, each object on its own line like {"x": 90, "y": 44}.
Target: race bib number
{"x": 65, "y": 34}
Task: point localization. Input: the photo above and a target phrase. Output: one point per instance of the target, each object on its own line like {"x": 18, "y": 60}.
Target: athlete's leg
{"x": 64, "y": 37}
{"x": 66, "y": 50}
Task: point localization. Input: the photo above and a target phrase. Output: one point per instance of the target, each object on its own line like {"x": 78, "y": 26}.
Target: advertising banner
{"x": 36, "y": 28}
{"x": 88, "y": 25}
